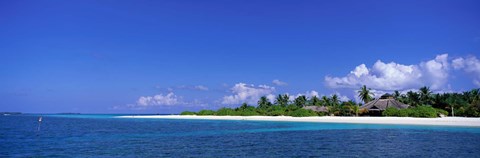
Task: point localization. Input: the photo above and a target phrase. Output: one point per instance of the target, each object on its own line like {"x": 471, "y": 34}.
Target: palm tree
{"x": 396, "y": 94}
{"x": 325, "y": 100}
{"x": 438, "y": 100}
{"x": 278, "y": 100}
{"x": 425, "y": 95}
{"x": 244, "y": 106}
{"x": 352, "y": 106}
{"x": 300, "y": 101}
{"x": 472, "y": 96}
{"x": 365, "y": 94}
{"x": 451, "y": 101}
{"x": 335, "y": 100}
{"x": 315, "y": 101}
{"x": 282, "y": 100}
{"x": 264, "y": 102}
{"x": 413, "y": 98}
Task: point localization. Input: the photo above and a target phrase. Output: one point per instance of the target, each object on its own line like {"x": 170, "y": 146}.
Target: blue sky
{"x": 169, "y": 56}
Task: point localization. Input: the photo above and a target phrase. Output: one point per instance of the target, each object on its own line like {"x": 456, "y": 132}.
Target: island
{"x": 413, "y": 108}
{"x": 423, "y": 103}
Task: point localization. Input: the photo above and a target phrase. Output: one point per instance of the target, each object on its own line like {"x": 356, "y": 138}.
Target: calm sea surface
{"x": 106, "y": 136}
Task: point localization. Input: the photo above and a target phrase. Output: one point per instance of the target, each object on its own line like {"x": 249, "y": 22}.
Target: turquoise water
{"x": 107, "y": 136}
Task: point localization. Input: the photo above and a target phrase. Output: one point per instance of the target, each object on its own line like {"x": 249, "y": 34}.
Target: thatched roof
{"x": 316, "y": 108}
{"x": 384, "y": 103}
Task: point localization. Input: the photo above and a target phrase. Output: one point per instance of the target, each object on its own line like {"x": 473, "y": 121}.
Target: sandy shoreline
{"x": 446, "y": 121}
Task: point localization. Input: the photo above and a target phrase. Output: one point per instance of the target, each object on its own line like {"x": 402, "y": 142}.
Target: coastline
{"x": 445, "y": 121}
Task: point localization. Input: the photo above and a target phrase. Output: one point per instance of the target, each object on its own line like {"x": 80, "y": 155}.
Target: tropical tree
{"x": 243, "y": 107}
{"x": 438, "y": 101}
{"x": 451, "y": 101}
{"x": 413, "y": 98}
{"x": 352, "y": 107}
{"x": 264, "y": 103}
{"x": 300, "y": 101}
{"x": 325, "y": 101}
{"x": 475, "y": 94}
{"x": 335, "y": 100}
{"x": 396, "y": 94}
{"x": 365, "y": 94}
{"x": 315, "y": 101}
{"x": 425, "y": 95}
{"x": 282, "y": 100}
{"x": 356, "y": 109}
{"x": 472, "y": 96}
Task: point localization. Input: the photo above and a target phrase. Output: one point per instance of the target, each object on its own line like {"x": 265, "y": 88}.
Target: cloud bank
{"x": 159, "y": 99}
{"x": 248, "y": 93}
{"x": 394, "y": 76}
{"x": 470, "y": 65}
{"x": 279, "y": 83}
{"x": 196, "y": 87}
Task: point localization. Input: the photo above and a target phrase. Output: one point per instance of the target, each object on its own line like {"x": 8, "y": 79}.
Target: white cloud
{"x": 311, "y": 94}
{"x": 436, "y": 71}
{"x": 342, "y": 97}
{"x": 159, "y": 99}
{"x": 279, "y": 83}
{"x": 470, "y": 65}
{"x": 248, "y": 93}
{"x": 197, "y": 87}
{"x": 394, "y": 76}
{"x": 201, "y": 87}
{"x": 458, "y": 63}
{"x": 360, "y": 70}
{"x": 382, "y": 75}
{"x": 308, "y": 94}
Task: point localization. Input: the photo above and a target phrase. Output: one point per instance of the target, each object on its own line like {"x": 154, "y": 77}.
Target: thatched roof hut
{"x": 384, "y": 102}
{"x": 316, "y": 108}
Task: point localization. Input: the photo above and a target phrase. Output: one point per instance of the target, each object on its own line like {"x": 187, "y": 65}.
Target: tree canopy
{"x": 365, "y": 94}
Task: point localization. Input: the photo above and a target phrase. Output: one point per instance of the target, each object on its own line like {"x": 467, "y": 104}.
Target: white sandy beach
{"x": 446, "y": 121}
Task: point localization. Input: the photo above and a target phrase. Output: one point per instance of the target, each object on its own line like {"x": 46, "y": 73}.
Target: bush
{"x": 260, "y": 111}
{"x": 419, "y": 111}
{"x": 321, "y": 114}
{"x": 247, "y": 113}
{"x": 390, "y": 112}
{"x": 403, "y": 113}
{"x": 206, "y": 112}
{"x": 276, "y": 113}
{"x": 302, "y": 113}
{"x": 441, "y": 111}
{"x": 425, "y": 111}
{"x": 292, "y": 107}
{"x": 225, "y": 112}
{"x": 187, "y": 113}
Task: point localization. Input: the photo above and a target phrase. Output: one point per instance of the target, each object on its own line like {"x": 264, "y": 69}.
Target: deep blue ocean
{"x": 107, "y": 136}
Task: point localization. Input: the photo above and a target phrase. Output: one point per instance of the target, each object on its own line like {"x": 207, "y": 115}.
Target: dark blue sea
{"x": 107, "y": 136}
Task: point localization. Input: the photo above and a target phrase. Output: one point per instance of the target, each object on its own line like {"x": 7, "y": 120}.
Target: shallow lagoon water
{"x": 107, "y": 136}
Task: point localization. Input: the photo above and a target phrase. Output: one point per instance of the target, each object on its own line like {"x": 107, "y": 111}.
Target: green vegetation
{"x": 419, "y": 111}
{"x": 188, "y": 113}
{"x": 423, "y": 103}
{"x": 452, "y": 104}
{"x": 365, "y": 94}
{"x": 282, "y": 107}
{"x": 302, "y": 113}
{"x": 206, "y": 112}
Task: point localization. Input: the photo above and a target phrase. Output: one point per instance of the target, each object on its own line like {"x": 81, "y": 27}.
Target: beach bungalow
{"x": 377, "y": 106}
